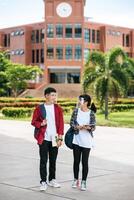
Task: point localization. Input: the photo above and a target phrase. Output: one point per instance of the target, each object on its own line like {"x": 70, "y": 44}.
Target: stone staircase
{"x": 64, "y": 90}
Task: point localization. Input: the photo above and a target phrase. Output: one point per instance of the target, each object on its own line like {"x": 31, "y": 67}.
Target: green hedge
{"x": 12, "y": 100}
{"x": 19, "y": 104}
{"x": 26, "y": 112}
{"x": 17, "y": 112}
{"x": 121, "y": 107}
{"x": 67, "y": 104}
{"x": 32, "y": 104}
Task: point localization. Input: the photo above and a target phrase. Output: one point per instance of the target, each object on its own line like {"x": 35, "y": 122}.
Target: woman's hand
{"x": 79, "y": 127}
{"x": 86, "y": 127}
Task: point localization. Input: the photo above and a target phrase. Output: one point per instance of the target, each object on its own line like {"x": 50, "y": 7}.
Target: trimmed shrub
{"x": 121, "y": 107}
{"x": 12, "y": 100}
{"x": 17, "y": 112}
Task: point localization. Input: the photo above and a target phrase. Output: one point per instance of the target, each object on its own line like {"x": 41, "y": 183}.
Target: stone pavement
{"x": 111, "y": 172}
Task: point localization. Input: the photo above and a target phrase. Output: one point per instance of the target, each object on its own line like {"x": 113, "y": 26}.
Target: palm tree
{"x": 109, "y": 74}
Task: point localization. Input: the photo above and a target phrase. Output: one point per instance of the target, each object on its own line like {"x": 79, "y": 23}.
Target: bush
{"x": 33, "y": 104}
{"x": 31, "y": 99}
{"x": 121, "y": 107}
{"x": 13, "y": 100}
{"x": 19, "y": 104}
{"x": 17, "y": 112}
{"x": 68, "y": 110}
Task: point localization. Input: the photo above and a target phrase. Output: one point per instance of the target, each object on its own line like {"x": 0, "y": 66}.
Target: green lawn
{"x": 116, "y": 119}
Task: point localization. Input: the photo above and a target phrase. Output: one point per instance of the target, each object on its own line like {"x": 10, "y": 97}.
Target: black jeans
{"x": 79, "y": 152}
{"x": 46, "y": 150}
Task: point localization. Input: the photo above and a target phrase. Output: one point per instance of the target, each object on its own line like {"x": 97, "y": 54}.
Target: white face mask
{"x": 81, "y": 100}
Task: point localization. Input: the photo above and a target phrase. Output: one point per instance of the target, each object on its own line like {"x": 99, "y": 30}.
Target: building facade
{"x": 61, "y": 43}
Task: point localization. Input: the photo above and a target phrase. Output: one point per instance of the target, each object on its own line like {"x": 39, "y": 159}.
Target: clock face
{"x": 64, "y": 9}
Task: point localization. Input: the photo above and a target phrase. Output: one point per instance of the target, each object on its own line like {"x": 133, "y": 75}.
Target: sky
{"x": 114, "y": 12}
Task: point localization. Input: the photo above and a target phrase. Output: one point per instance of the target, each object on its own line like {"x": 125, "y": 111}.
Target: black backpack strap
{"x": 43, "y": 110}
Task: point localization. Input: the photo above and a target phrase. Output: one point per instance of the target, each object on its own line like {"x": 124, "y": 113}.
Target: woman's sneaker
{"x": 43, "y": 186}
{"x": 83, "y": 185}
{"x": 75, "y": 183}
{"x": 54, "y": 183}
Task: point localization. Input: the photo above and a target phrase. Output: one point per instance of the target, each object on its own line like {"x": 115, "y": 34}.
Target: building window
{"x": 57, "y": 77}
{"x": 33, "y": 56}
{"x": 37, "y": 55}
{"x": 98, "y": 36}
{"x": 33, "y": 36}
{"x": 123, "y": 38}
{"x": 73, "y": 77}
{"x": 87, "y": 35}
{"x": 42, "y": 35}
{"x": 93, "y": 36}
{"x": 65, "y": 76}
{"x": 78, "y": 31}
{"x": 68, "y": 31}
{"x": 37, "y": 36}
{"x": 50, "y": 30}
{"x": 59, "y": 52}
{"x": 127, "y": 40}
{"x": 68, "y": 52}
{"x": 78, "y": 52}
{"x": 42, "y": 55}
{"x": 50, "y": 52}
{"x": 86, "y": 54}
{"x": 59, "y": 30}
{"x": 6, "y": 40}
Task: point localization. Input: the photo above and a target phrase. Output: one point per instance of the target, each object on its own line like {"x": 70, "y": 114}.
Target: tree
{"x": 3, "y": 78}
{"x": 109, "y": 74}
{"x": 19, "y": 74}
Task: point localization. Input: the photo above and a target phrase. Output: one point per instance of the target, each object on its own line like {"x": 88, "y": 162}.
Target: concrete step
{"x": 64, "y": 90}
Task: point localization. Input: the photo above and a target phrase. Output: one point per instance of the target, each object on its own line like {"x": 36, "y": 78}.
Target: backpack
{"x": 43, "y": 113}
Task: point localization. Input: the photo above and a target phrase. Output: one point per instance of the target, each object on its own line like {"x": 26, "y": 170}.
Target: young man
{"x": 49, "y": 137}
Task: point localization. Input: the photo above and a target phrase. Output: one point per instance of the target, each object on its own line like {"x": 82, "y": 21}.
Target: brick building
{"x": 61, "y": 43}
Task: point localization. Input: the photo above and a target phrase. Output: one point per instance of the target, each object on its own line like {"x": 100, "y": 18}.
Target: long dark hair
{"x": 87, "y": 99}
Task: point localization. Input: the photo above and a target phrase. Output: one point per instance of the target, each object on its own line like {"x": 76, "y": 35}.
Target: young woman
{"x": 83, "y": 121}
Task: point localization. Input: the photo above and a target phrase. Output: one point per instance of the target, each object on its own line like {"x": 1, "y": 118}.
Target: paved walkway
{"x": 111, "y": 173}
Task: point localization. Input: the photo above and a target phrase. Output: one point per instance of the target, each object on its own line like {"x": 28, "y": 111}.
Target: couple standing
{"x": 50, "y": 137}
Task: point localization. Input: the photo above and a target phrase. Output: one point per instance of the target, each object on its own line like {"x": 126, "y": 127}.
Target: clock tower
{"x": 64, "y": 39}
{"x": 64, "y": 9}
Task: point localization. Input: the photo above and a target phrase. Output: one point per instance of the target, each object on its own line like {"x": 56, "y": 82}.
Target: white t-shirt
{"x": 84, "y": 138}
{"x": 51, "y": 127}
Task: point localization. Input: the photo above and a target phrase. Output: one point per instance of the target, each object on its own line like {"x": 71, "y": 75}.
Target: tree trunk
{"x": 106, "y": 106}
{"x": 15, "y": 94}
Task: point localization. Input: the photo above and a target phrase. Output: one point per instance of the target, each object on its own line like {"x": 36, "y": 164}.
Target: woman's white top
{"x": 51, "y": 127}
{"x": 84, "y": 138}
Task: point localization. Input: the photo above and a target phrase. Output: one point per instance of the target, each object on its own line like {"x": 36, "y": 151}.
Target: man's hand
{"x": 59, "y": 143}
{"x": 44, "y": 122}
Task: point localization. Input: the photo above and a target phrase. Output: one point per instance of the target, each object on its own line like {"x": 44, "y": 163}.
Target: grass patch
{"x": 116, "y": 119}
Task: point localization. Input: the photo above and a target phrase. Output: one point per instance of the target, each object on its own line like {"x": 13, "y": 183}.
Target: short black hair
{"x": 49, "y": 90}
